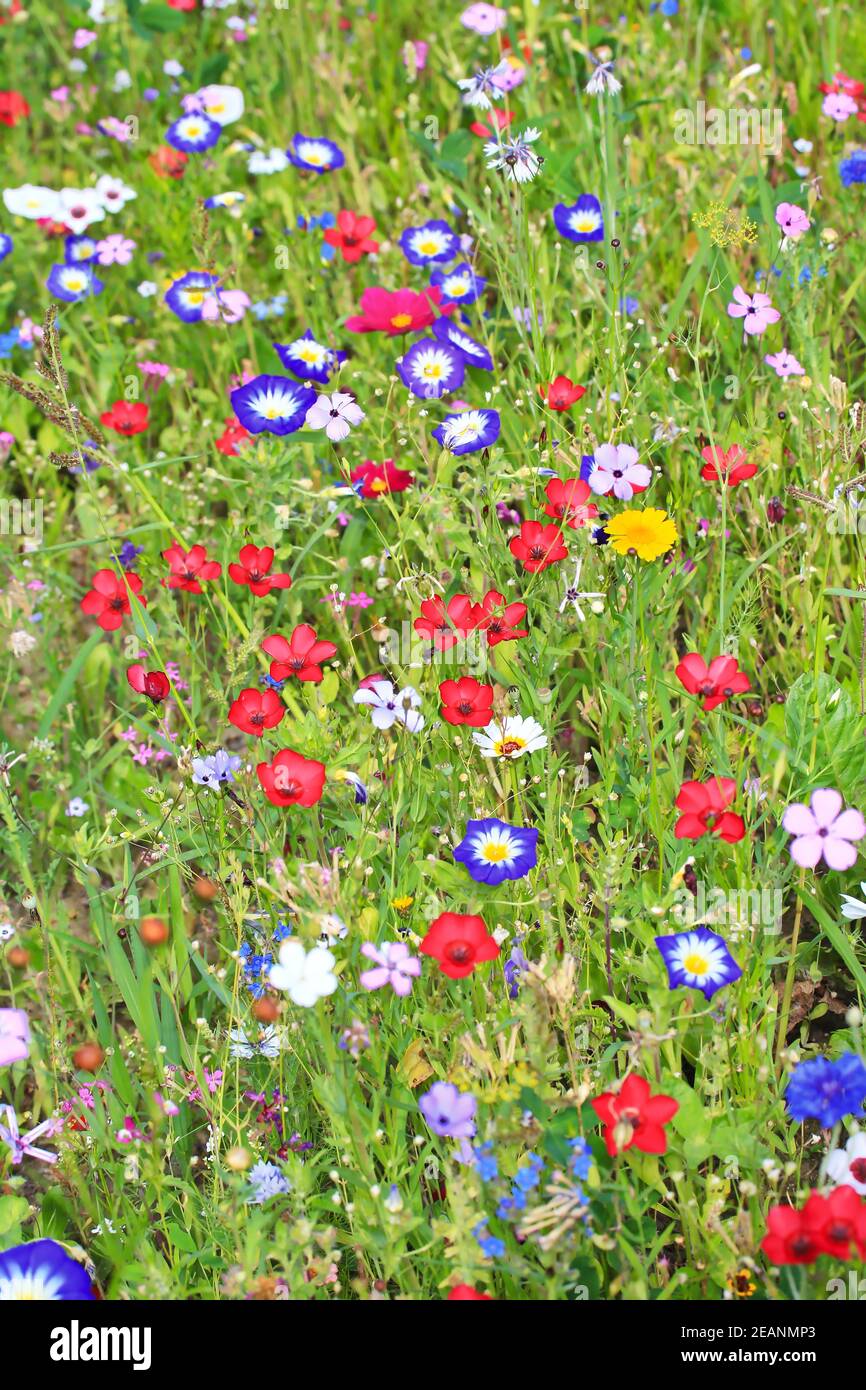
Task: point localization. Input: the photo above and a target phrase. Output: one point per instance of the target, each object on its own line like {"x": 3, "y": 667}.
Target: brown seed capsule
{"x": 266, "y": 1010}
{"x": 205, "y": 889}
{"x": 88, "y": 1057}
{"x": 153, "y": 931}
{"x": 17, "y": 957}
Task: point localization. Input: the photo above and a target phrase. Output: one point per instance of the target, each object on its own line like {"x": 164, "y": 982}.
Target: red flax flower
{"x": 824, "y": 1226}
{"x": 704, "y": 806}
{"x": 446, "y": 626}
{"x": 126, "y": 417}
{"x": 466, "y": 1292}
{"x": 256, "y": 710}
{"x": 291, "y": 780}
{"x": 497, "y": 618}
{"x": 466, "y": 701}
{"x": 567, "y": 501}
{"x": 376, "y": 478}
{"x": 253, "y": 570}
{"x": 108, "y": 600}
{"x": 351, "y": 236}
{"x": 538, "y": 546}
{"x": 632, "y": 1118}
{"x": 167, "y": 162}
{"x": 187, "y": 567}
{"x": 301, "y": 656}
{"x": 458, "y": 943}
{"x": 726, "y": 466}
{"x": 13, "y": 108}
{"x": 396, "y": 311}
{"x": 715, "y": 683}
{"x": 154, "y": 684}
{"x": 562, "y": 393}
{"x": 500, "y": 118}
{"x": 233, "y": 437}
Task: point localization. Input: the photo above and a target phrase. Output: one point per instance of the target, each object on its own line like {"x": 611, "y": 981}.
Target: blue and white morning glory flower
{"x": 273, "y": 404}
{"x": 309, "y": 359}
{"x": 475, "y": 353}
{"x": 492, "y": 850}
{"x": 699, "y": 959}
{"x": 42, "y": 1272}
{"x": 72, "y": 283}
{"x": 315, "y": 154}
{"x": 582, "y": 222}
{"x": 187, "y": 295}
{"x": 430, "y": 369}
{"x": 434, "y": 241}
{"x": 6, "y": 245}
{"x": 460, "y": 285}
{"x": 80, "y": 250}
{"x": 193, "y": 133}
{"x": 468, "y": 431}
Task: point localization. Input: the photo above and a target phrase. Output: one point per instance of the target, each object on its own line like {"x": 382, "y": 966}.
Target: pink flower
{"x": 14, "y": 1036}
{"x": 792, "y": 220}
{"x": 484, "y": 19}
{"x": 227, "y": 305}
{"x": 115, "y": 250}
{"x": 421, "y": 50}
{"x": 82, "y": 38}
{"x": 335, "y": 414}
{"x": 823, "y": 830}
{"x": 395, "y": 967}
{"x": 839, "y": 106}
{"x": 617, "y": 470}
{"x": 784, "y": 364}
{"x": 755, "y": 310}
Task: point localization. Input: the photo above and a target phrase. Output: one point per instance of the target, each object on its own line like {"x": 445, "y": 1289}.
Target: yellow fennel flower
{"x": 648, "y": 533}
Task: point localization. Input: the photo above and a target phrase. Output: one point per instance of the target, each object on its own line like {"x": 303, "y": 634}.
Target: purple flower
{"x": 14, "y": 1036}
{"x": 395, "y": 967}
{"x": 823, "y": 829}
{"x": 448, "y": 1111}
{"x": 21, "y": 1145}
{"x": 755, "y": 310}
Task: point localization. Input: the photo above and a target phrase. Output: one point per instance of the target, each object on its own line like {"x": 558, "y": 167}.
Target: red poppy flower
{"x": 256, "y": 710}
{"x": 187, "y": 567}
{"x": 126, "y": 417}
{"x": 632, "y": 1118}
{"x": 562, "y": 393}
{"x": 466, "y": 1292}
{"x": 376, "y": 478}
{"x": 728, "y": 466}
{"x": 458, "y": 943}
{"x": 397, "y": 311}
{"x": 352, "y": 236}
{"x": 825, "y": 1226}
{"x": 704, "y": 805}
{"x": 716, "y": 682}
{"x": 154, "y": 684}
{"x": 233, "y": 437}
{"x": 253, "y": 570}
{"x": 498, "y": 618}
{"x": 301, "y": 656}
{"x": 445, "y": 626}
{"x": 538, "y": 546}
{"x": 466, "y": 701}
{"x": 168, "y": 163}
{"x": 108, "y": 600}
{"x": 566, "y": 501}
{"x": 291, "y": 780}
{"x": 181, "y": 4}
{"x": 501, "y": 118}
{"x": 13, "y": 108}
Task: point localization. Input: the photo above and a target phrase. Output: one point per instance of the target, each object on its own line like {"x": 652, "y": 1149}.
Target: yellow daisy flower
{"x": 648, "y": 533}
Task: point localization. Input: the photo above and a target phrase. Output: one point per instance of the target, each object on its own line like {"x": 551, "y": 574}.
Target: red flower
{"x": 716, "y": 682}
{"x": 168, "y": 163}
{"x": 728, "y": 466}
{"x": 538, "y": 546}
{"x": 396, "y": 311}
{"x": 256, "y": 710}
{"x": 458, "y": 943}
{"x": 9, "y": 12}
{"x": 187, "y": 567}
{"x": 300, "y": 656}
{"x": 154, "y": 684}
{"x": 824, "y": 1226}
{"x": 501, "y": 118}
{"x": 704, "y": 806}
{"x": 126, "y": 417}
{"x": 253, "y": 570}
{"x": 447, "y": 626}
{"x": 377, "y": 478}
{"x": 466, "y": 1291}
{"x": 632, "y": 1118}
{"x": 843, "y": 83}
{"x": 13, "y": 108}
{"x": 352, "y": 236}
{"x": 291, "y": 780}
{"x": 562, "y": 393}
{"x": 566, "y": 501}
{"x": 466, "y": 701}
{"x": 233, "y": 437}
{"x": 499, "y": 618}
{"x": 108, "y": 600}
{"x": 181, "y": 4}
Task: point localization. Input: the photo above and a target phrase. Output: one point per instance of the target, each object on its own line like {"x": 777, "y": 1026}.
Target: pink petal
{"x": 839, "y": 854}
{"x": 826, "y": 803}
{"x": 798, "y": 820}
{"x": 807, "y": 850}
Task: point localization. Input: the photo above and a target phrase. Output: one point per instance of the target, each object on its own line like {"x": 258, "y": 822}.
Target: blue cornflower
{"x": 267, "y": 1180}
{"x": 271, "y": 683}
{"x": 126, "y": 556}
{"x": 827, "y": 1091}
{"x": 852, "y": 169}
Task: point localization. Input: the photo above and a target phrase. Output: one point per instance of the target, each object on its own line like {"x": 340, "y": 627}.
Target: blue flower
{"x": 853, "y": 168}
{"x": 193, "y": 133}
{"x": 581, "y": 1158}
{"x": 475, "y": 353}
{"x": 583, "y": 221}
{"x": 485, "y": 1162}
{"x": 315, "y": 154}
{"x": 699, "y": 959}
{"x": 434, "y": 241}
{"x": 41, "y": 1271}
{"x": 490, "y": 1245}
{"x": 186, "y": 296}
{"x": 827, "y": 1091}
{"x": 9, "y": 341}
{"x": 127, "y": 553}
{"x": 309, "y": 359}
{"x": 6, "y": 245}
{"x": 216, "y": 769}
{"x": 469, "y": 431}
{"x": 267, "y": 1180}
{"x": 272, "y": 404}
{"x": 492, "y": 850}
{"x": 225, "y": 200}
{"x": 72, "y": 283}
{"x": 460, "y": 285}
{"x": 431, "y": 368}
{"x": 80, "y": 250}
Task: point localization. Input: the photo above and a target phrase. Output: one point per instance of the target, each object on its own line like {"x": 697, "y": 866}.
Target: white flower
{"x": 478, "y": 90}
{"x": 305, "y": 975}
{"x": 390, "y": 706}
{"x": 602, "y": 80}
{"x": 172, "y": 68}
{"x": 32, "y": 200}
{"x": 79, "y": 207}
{"x": 113, "y": 193}
{"x": 510, "y": 738}
{"x": 515, "y": 156}
{"x": 122, "y": 81}
{"x": 854, "y": 909}
{"x": 147, "y": 288}
{"x": 268, "y": 161}
{"x": 21, "y": 642}
{"x": 847, "y": 1167}
{"x": 573, "y": 594}
{"x": 77, "y": 807}
{"x": 334, "y": 414}
{"x": 223, "y": 104}
{"x": 269, "y": 1043}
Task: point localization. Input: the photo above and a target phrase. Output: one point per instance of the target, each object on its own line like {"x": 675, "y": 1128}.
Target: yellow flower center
{"x": 695, "y": 964}
{"x": 401, "y": 320}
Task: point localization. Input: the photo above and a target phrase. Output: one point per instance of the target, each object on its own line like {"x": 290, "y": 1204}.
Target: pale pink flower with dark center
{"x": 394, "y": 967}
{"x": 792, "y": 220}
{"x": 755, "y": 310}
{"x": 823, "y": 830}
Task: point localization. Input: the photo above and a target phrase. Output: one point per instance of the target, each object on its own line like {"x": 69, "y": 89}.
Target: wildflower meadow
{"x": 432, "y": 652}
